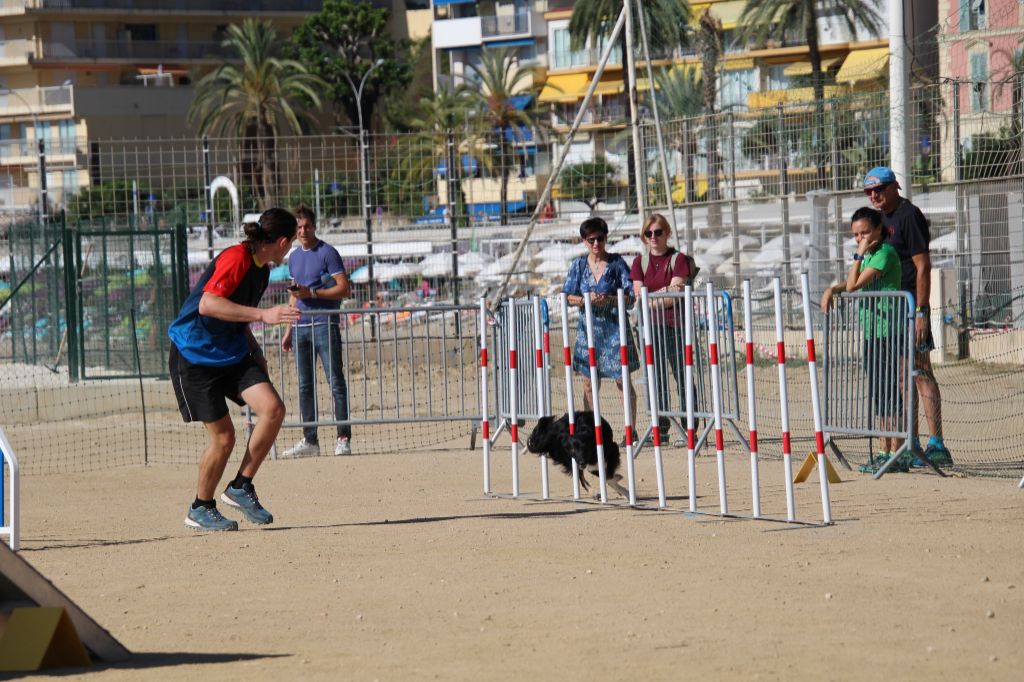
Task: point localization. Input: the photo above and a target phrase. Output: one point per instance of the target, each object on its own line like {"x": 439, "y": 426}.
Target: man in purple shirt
{"x": 320, "y": 284}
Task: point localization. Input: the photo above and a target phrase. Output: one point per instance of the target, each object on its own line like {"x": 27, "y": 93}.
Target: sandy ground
{"x": 398, "y": 568}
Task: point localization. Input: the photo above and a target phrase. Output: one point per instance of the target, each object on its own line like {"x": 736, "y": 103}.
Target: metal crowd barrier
{"x": 530, "y": 322}
{"x": 400, "y": 365}
{"x": 668, "y": 342}
{"x": 868, "y": 368}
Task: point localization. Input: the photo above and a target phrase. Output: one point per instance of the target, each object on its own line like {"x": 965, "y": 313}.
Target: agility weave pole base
{"x": 808, "y": 466}
{"x": 21, "y": 585}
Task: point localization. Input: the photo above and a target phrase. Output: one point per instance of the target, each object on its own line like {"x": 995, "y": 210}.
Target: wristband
{"x": 857, "y": 256}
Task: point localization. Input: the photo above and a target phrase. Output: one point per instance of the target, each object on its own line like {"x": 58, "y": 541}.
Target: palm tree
{"x": 667, "y": 23}
{"x": 709, "y": 38}
{"x": 440, "y": 116}
{"x": 764, "y": 20}
{"x": 501, "y": 79}
{"x": 679, "y": 96}
{"x": 257, "y": 99}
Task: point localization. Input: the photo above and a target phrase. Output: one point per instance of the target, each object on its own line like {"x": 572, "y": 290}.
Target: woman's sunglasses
{"x": 599, "y": 239}
{"x": 654, "y": 233}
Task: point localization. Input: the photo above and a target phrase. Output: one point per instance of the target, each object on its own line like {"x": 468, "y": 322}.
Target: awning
{"x": 571, "y": 87}
{"x": 727, "y": 12}
{"x": 520, "y": 102}
{"x": 470, "y": 166}
{"x": 438, "y": 3}
{"x": 864, "y": 65}
{"x": 804, "y": 68}
{"x": 515, "y": 42}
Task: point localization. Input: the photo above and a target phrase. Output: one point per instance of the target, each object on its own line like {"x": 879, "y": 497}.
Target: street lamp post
{"x": 364, "y": 180}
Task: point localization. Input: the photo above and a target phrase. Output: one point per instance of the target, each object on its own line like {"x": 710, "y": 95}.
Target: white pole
{"x": 716, "y": 393}
{"x": 485, "y": 424}
{"x": 787, "y": 446}
{"x": 595, "y": 384}
{"x": 13, "y": 526}
{"x": 627, "y": 401}
{"x": 652, "y": 394}
{"x": 538, "y": 346}
{"x": 513, "y": 390}
{"x": 691, "y": 431}
{"x": 634, "y": 116}
{"x": 819, "y": 436}
{"x": 899, "y": 97}
{"x": 563, "y": 300}
{"x": 751, "y": 402}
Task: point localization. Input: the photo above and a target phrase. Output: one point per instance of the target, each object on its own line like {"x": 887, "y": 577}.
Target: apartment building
{"x": 982, "y": 52}
{"x": 79, "y": 70}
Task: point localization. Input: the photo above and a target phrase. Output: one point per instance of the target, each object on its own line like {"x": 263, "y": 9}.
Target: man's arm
{"x": 923, "y": 264}
{"x": 341, "y": 289}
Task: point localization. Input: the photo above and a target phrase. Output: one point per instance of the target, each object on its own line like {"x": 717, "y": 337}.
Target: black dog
{"x": 551, "y": 437}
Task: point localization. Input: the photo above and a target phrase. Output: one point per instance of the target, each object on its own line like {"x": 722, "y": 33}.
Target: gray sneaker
{"x": 244, "y": 498}
{"x": 208, "y": 519}
{"x": 343, "y": 447}
{"x": 302, "y": 449}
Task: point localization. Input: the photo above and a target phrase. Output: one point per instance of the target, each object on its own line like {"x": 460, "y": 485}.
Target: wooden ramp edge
{"x": 23, "y": 585}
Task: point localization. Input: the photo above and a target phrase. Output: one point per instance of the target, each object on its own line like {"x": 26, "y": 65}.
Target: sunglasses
{"x": 877, "y": 189}
{"x": 599, "y": 239}
{"x": 654, "y": 233}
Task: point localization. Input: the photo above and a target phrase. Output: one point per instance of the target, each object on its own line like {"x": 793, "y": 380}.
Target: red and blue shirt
{"x": 205, "y": 340}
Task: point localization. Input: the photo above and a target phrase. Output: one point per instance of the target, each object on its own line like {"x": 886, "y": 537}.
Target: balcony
{"x": 586, "y": 57}
{"x": 793, "y": 96}
{"x": 172, "y": 6}
{"x": 463, "y": 32}
{"x": 507, "y": 25}
{"x": 131, "y": 50}
{"x": 596, "y": 114}
{"x": 32, "y": 102}
{"x": 26, "y": 152}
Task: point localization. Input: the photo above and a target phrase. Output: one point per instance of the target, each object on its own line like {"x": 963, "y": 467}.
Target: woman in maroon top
{"x": 661, "y": 274}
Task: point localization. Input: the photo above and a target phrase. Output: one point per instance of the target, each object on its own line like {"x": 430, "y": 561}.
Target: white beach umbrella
{"x": 472, "y": 262}
{"x": 554, "y": 266}
{"x": 628, "y": 245}
{"x": 560, "y": 250}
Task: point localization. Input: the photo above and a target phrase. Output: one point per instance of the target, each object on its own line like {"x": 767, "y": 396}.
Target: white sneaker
{"x": 302, "y": 449}
{"x": 343, "y": 447}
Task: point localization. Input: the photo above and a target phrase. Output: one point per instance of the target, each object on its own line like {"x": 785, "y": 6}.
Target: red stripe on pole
{"x": 515, "y": 432}
{"x": 629, "y": 434}
{"x": 511, "y": 359}
{"x": 810, "y": 350}
{"x": 689, "y": 355}
{"x": 691, "y": 439}
{"x": 592, "y": 353}
{"x": 780, "y": 348}
{"x": 719, "y": 441}
{"x": 572, "y": 428}
{"x": 540, "y": 359}
{"x": 750, "y": 352}
{"x": 657, "y": 437}
{"x": 786, "y": 449}
{"x": 819, "y": 442}
{"x": 649, "y": 354}
{"x": 547, "y": 342}
{"x": 624, "y": 356}
{"x": 753, "y": 441}
{"x": 598, "y": 436}
{"x": 714, "y": 354}
{"x": 483, "y": 357}
{"x": 566, "y": 356}
{"x": 486, "y": 428}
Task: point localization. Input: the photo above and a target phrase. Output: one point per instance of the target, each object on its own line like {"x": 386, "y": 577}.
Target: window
{"x": 5, "y": 137}
{"x": 736, "y": 85}
{"x": 979, "y": 81}
{"x": 972, "y": 15}
{"x": 141, "y": 31}
{"x": 70, "y": 179}
{"x": 777, "y": 78}
{"x": 66, "y": 131}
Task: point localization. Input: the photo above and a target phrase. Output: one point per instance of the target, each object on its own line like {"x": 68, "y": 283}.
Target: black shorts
{"x": 202, "y": 390}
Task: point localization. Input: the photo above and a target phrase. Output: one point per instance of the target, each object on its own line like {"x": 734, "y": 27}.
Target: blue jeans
{"x": 323, "y": 340}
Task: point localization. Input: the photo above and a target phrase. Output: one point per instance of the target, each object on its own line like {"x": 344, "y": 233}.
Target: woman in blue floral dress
{"x": 599, "y": 275}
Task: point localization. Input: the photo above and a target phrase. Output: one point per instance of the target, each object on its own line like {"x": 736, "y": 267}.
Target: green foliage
{"x": 667, "y": 23}
{"x": 991, "y": 155}
{"x": 340, "y": 44}
{"x": 338, "y": 198}
{"x": 591, "y": 182}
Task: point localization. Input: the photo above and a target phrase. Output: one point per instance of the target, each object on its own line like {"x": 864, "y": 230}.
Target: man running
{"x": 215, "y": 356}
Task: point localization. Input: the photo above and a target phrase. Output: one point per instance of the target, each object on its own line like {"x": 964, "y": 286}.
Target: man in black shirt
{"x": 908, "y": 233}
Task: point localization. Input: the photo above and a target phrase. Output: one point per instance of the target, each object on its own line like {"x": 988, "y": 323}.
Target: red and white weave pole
{"x": 652, "y": 395}
{"x": 485, "y": 424}
{"x": 513, "y": 391}
{"x": 627, "y": 401}
{"x": 595, "y": 384}
{"x": 545, "y": 321}
{"x": 755, "y": 483}
{"x": 691, "y": 429}
{"x": 716, "y": 393}
{"x": 819, "y": 436}
{"x": 538, "y": 347}
{"x": 563, "y": 300}
{"x": 787, "y": 446}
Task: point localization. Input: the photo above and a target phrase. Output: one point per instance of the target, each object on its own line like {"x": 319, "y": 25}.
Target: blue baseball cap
{"x": 879, "y": 175}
